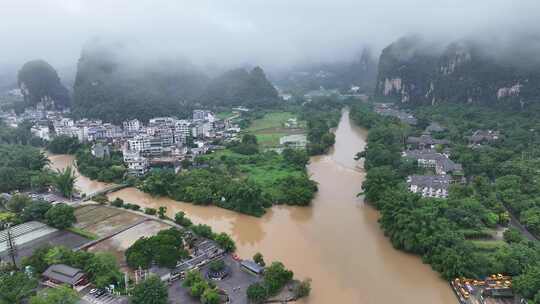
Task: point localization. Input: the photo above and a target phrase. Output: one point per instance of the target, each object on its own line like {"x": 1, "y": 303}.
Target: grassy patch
{"x": 265, "y": 169}
{"x": 271, "y": 128}
{"x": 269, "y": 139}
{"x": 83, "y": 233}
{"x": 487, "y": 245}
{"x": 484, "y": 233}
{"x": 225, "y": 114}
{"x": 271, "y": 120}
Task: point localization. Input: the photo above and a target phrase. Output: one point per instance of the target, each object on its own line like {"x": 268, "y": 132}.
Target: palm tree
{"x": 65, "y": 181}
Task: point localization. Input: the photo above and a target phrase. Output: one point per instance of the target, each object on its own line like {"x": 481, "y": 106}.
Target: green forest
{"x": 449, "y": 233}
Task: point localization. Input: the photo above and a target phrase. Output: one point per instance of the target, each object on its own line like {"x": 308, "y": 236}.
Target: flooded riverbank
{"x": 336, "y": 242}
{"x": 83, "y": 183}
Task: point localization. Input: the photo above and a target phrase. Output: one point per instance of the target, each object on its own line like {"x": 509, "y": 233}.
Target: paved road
{"x": 515, "y": 223}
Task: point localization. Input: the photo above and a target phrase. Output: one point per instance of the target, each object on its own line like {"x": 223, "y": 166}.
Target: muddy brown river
{"x": 336, "y": 242}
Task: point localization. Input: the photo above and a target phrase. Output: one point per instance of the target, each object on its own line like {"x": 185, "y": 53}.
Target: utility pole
{"x": 12, "y": 249}
{"x": 126, "y": 280}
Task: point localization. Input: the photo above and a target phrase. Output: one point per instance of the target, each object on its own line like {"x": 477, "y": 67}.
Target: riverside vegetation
{"x": 245, "y": 179}
{"x": 240, "y": 178}
{"x": 445, "y": 232}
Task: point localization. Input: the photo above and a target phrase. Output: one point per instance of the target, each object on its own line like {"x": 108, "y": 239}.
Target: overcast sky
{"x": 235, "y": 32}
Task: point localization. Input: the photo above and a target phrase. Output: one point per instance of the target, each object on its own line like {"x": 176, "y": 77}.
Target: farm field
{"x": 103, "y": 220}
{"x": 119, "y": 243}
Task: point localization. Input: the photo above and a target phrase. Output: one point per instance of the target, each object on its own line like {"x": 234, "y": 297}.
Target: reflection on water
{"x": 336, "y": 241}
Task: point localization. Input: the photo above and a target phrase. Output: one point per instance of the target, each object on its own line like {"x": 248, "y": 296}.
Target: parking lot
{"x": 105, "y": 298}
{"x": 235, "y": 284}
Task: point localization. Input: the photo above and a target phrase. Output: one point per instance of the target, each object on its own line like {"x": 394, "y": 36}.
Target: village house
{"x": 425, "y": 141}
{"x": 431, "y": 159}
{"x": 252, "y": 267}
{"x": 429, "y": 185}
{"x": 484, "y": 136}
{"x": 100, "y": 150}
{"x": 435, "y": 127}
{"x": 137, "y": 164}
{"x": 387, "y": 110}
{"x": 60, "y": 274}
{"x": 295, "y": 141}
{"x": 42, "y": 132}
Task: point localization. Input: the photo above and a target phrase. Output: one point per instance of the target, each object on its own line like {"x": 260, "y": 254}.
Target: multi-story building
{"x": 137, "y": 164}
{"x": 162, "y": 121}
{"x": 155, "y": 146}
{"x": 203, "y": 115}
{"x": 113, "y": 131}
{"x": 431, "y": 159}
{"x": 429, "y": 185}
{"x": 132, "y": 126}
{"x": 182, "y": 129}
{"x": 41, "y": 132}
{"x": 140, "y": 144}
{"x": 63, "y": 122}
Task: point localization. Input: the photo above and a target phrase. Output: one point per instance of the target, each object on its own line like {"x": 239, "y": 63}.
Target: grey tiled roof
{"x": 252, "y": 266}
{"x": 64, "y": 274}
{"x": 443, "y": 162}
{"x": 484, "y": 135}
{"x": 435, "y": 127}
{"x": 426, "y": 139}
{"x": 430, "y": 181}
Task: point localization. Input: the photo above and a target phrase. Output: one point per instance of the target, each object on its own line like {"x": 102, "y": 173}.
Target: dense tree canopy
{"x": 62, "y": 294}
{"x": 60, "y": 216}
{"x": 15, "y": 286}
{"x": 150, "y": 291}
{"x": 244, "y": 183}
{"x": 107, "y": 169}
{"x": 63, "y": 144}
{"x": 21, "y": 135}
{"x": 18, "y": 165}
{"x": 165, "y": 249}
{"x": 102, "y": 268}
{"x": 446, "y": 232}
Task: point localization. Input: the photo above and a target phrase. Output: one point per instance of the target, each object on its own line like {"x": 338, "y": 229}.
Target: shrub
{"x": 118, "y": 202}
{"x": 150, "y": 211}
{"x": 203, "y": 230}
{"x": 216, "y": 266}
{"x": 102, "y": 199}
{"x": 257, "y": 293}
{"x": 225, "y": 242}
{"x": 181, "y": 219}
